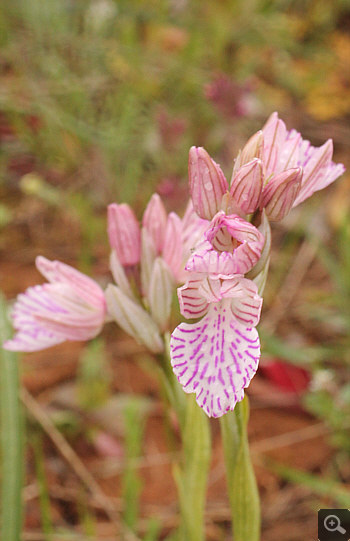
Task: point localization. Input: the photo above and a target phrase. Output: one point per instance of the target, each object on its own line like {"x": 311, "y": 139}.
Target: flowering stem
{"x": 242, "y": 486}
{"x": 191, "y": 474}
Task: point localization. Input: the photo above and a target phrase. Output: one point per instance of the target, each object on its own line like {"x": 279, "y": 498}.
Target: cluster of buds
{"x": 219, "y": 251}
{"x": 153, "y": 258}
{"x": 216, "y": 357}
{"x": 147, "y": 263}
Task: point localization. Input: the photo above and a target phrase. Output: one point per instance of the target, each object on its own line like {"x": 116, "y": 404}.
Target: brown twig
{"x": 75, "y": 462}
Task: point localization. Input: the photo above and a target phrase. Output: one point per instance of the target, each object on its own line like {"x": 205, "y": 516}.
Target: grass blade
{"x": 11, "y": 436}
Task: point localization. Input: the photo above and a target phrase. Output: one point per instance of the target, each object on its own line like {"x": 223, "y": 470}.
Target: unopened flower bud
{"x": 155, "y": 221}
{"x": 246, "y": 186}
{"x": 124, "y": 233}
{"x": 207, "y": 183}
{"x": 119, "y": 275}
{"x": 172, "y": 251}
{"x": 280, "y": 193}
{"x": 148, "y": 255}
{"x": 254, "y": 148}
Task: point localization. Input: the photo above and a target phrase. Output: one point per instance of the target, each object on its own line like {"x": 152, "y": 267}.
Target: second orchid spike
{"x": 207, "y": 183}
{"x": 124, "y": 233}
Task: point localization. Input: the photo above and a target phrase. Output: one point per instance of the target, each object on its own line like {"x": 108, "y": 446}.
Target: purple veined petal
{"x": 207, "y": 183}
{"x": 318, "y": 169}
{"x": 275, "y": 133}
{"x": 215, "y": 358}
{"x": 155, "y": 221}
{"x": 192, "y": 304}
{"x": 245, "y": 303}
{"x": 172, "y": 250}
{"x": 32, "y": 339}
{"x": 51, "y": 314}
{"x": 210, "y": 289}
{"x": 290, "y": 151}
{"x": 280, "y": 193}
{"x": 207, "y": 260}
{"x": 246, "y": 186}
{"x": 235, "y": 236}
{"x": 124, "y": 233}
{"x": 82, "y": 285}
{"x": 254, "y": 148}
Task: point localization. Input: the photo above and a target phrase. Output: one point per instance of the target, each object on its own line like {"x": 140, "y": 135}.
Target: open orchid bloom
{"x": 275, "y": 171}
{"x": 284, "y": 150}
{"x": 233, "y": 246}
{"x": 70, "y": 307}
{"x": 217, "y": 357}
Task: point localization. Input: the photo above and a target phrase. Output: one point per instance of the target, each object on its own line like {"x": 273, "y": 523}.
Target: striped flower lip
{"x": 233, "y": 246}
{"x": 71, "y": 307}
{"x": 215, "y": 358}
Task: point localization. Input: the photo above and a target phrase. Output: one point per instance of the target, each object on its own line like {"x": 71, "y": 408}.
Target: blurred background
{"x": 100, "y": 101}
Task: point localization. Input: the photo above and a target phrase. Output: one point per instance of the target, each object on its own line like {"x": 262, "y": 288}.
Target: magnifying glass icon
{"x": 332, "y": 524}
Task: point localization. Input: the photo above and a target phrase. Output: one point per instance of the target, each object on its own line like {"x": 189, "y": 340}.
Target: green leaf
{"x": 241, "y": 482}
{"x": 11, "y": 436}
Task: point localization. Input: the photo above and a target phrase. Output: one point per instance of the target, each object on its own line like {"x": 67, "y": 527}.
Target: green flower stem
{"x": 192, "y": 473}
{"x": 11, "y": 437}
{"x": 242, "y": 487}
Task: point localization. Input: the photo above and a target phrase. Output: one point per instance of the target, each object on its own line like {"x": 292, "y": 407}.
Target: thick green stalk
{"x": 192, "y": 473}
{"x": 242, "y": 487}
{"x": 11, "y": 437}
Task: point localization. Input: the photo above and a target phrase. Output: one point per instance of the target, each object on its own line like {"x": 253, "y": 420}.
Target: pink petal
{"x": 216, "y": 359}
{"x": 32, "y": 339}
{"x": 317, "y": 164}
{"x": 192, "y": 303}
{"x": 124, "y": 233}
{"x": 206, "y": 260}
{"x": 235, "y": 235}
{"x": 247, "y": 185}
{"x": 275, "y": 133}
{"x": 172, "y": 250}
{"x": 155, "y": 221}
{"x": 280, "y": 193}
{"x": 207, "y": 183}
{"x": 82, "y": 285}
{"x": 246, "y": 303}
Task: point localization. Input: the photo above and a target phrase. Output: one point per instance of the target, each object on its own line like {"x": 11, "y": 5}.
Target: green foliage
{"x": 94, "y": 377}
{"x": 134, "y": 420}
{"x": 12, "y": 435}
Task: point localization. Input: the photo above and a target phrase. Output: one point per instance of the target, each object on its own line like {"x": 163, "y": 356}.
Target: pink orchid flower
{"x": 276, "y": 170}
{"x": 71, "y": 307}
{"x": 217, "y": 357}
{"x": 232, "y": 246}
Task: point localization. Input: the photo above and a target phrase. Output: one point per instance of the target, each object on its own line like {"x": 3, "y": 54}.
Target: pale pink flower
{"x": 124, "y": 233}
{"x": 232, "y": 246}
{"x": 217, "y": 357}
{"x": 287, "y": 149}
{"x": 276, "y": 170}
{"x": 71, "y": 307}
{"x": 155, "y": 221}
